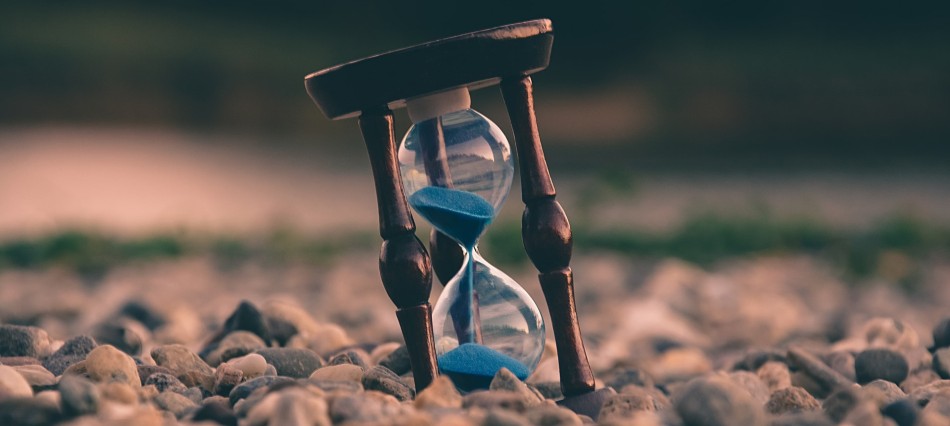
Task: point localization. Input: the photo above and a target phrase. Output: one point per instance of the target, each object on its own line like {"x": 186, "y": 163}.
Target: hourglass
{"x": 455, "y": 166}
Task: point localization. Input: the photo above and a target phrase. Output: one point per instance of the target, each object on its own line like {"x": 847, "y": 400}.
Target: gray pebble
{"x": 941, "y": 334}
{"x": 78, "y": 396}
{"x": 883, "y": 392}
{"x": 27, "y": 412}
{"x": 17, "y": 340}
{"x": 185, "y": 365}
{"x": 352, "y": 356}
{"x": 716, "y": 401}
{"x": 822, "y": 375}
{"x": 194, "y": 394}
{"x": 397, "y": 361}
{"x": 364, "y": 408}
{"x": 215, "y": 411}
{"x": 842, "y": 362}
{"x": 884, "y": 364}
{"x": 292, "y": 362}
{"x": 505, "y": 380}
{"x": 941, "y": 362}
{"x": 550, "y": 390}
{"x": 125, "y": 335}
{"x": 165, "y": 382}
{"x": 226, "y": 378}
{"x": 630, "y": 376}
{"x": 904, "y": 412}
{"x": 840, "y": 403}
{"x": 791, "y": 400}
{"x": 754, "y": 359}
{"x": 233, "y": 345}
{"x": 382, "y": 379}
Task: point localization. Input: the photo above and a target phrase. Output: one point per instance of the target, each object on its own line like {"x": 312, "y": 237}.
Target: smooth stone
{"x": 487, "y": 400}
{"x": 631, "y": 400}
{"x": 817, "y": 370}
{"x": 775, "y": 375}
{"x": 233, "y": 345}
{"x": 883, "y": 392}
{"x": 501, "y": 417}
{"x": 124, "y": 334}
{"x": 353, "y": 356}
{"x": 348, "y": 386}
{"x": 505, "y": 380}
{"x": 245, "y": 317}
{"x": 341, "y": 372}
{"x": 37, "y": 376}
{"x": 16, "y": 361}
{"x": 291, "y": 407}
{"x": 631, "y": 376}
{"x": 865, "y": 413}
{"x": 552, "y": 415}
{"x": 441, "y": 393}
{"x": 941, "y": 334}
{"x": 840, "y": 403}
{"x": 58, "y": 365}
{"x": 397, "y": 361}
{"x": 941, "y": 362}
{"x": 12, "y": 384}
{"x": 292, "y": 362}
{"x": 549, "y": 390}
{"x": 217, "y": 412}
{"x": 752, "y": 384}
{"x": 270, "y": 370}
{"x": 165, "y": 382}
{"x": 143, "y": 313}
{"x": 22, "y": 411}
{"x": 903, "y": 411}
{"x": 175, "y": 403}
{"x": 251, "y": 366}
{"x": 369, "y": 407}
{"x": 244, "y": 389}
{"x": 145, "y": 371}
{"x": 327, "y": 338}
{"x": 802, "y": 419}
{"x": 226, "y": 377}
{"x": 792, "y": 399}
{"x": 754, "y": 359}
{"x": 106, "y": 363}
{"x": 919, "y": 379}
{"x": 680, "y": 364}
{"x": 383, "y": 380}
{"x": 119, "y": 392}
{"x": 716, "y": 401}
{"x": 884, "y": 364}
{"x": 185, "y": 365}
{"x": 17, "y": 340}
{"x": 842, "y": 362}
{"x": 382, "y": 351}
{"x": 286, "y": 320}
{"x": 78, "y": 396}
{"x": 939, "y": 404}
{"x": 72, "y": 351}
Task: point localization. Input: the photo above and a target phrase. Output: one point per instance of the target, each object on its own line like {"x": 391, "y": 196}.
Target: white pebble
{"x": 252, "y": 365}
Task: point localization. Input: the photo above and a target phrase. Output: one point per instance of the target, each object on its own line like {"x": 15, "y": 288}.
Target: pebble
{"x": 176, "y": 403}
{"x": 486, "y": 400}
{"x": 550, "y": 390}
{"x": 397, "y": 360}
{"x": 226, "y": 377}
{"x": 38, "y": 377}
{"x": 347, "y": 386}
{"x": 15, "y": 361}
{"x": 775, "y": 375}
{"x": 754, "y": 359}
{"x": 118, "y": 392}
{"x": 824, "y": 376}
{"x": 840, "y": 403}
{"x": 245, "y": 317}
{"x": 941, "y": 362}
{"x": 630, "y": 376}
{"x": 842, "y": 362}
{"x": 141, "y": 312}
{"x": 382, "y": 379}
{"x": 505, "y": 380}
{"x": 903, "y": 411}
{"x": 883, "y": 392}
{"x": 244, "y": 389}
{"x": 147, "y": 370}
{"x": 680, "y": 364}
{"x": 941, "y": 334}
{"x": 498, "y": 417}
{"x": 27, "y": 412}
{"x": 233, "y": 345}
{"x": 441, "y": 393}
{"x": 890, "y": 333}
{"x": 78, "y": 396}
{"x": 629, "y": 401}
{"x": 716, "y": 401}
{"x": 124, "y": 334}
{"x": 216, "y": 411}
{"x": 292, "y": 362}
{"x": 884, "y": 364}
{"x": 290, "y": 407}
{"x": 792, "y": 399}
{"x": 165, "y": 382}
{"x": 106, "y": 363}
{"x": 369, "y": 407}
{"x": 552, "y": 415}
{"x": 251, "y": 366}
{"x": 72, "y": 351}
{"x": 286, "y": 320}
{"x": 341, "y": 372}
{"x": 752, "y": 384}
{"x": 352, "y": 356}
{"x": 185, "y": 365}
{"x": 923, "y": 394}
{"x": 326, "y": 339}
{"x": 12, "y": 384}
{"x": 17, "y": 340}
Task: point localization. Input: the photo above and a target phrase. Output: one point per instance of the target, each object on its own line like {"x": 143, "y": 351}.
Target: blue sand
{"x": 477, "y": 360}
{"x": 459, "y": 214}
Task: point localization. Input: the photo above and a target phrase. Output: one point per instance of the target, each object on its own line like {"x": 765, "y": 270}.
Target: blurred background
{"x": 140, "y": 132}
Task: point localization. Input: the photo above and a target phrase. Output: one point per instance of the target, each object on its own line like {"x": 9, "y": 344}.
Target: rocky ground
{"x": 763, "y": 341}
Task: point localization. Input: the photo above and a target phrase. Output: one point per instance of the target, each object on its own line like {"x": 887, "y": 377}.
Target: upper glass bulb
{"x": 453, "y": 146}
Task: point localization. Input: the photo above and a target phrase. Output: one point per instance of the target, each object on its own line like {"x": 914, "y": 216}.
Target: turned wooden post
{"x": 403, "y": 261}
{"x": 547, "y": 238}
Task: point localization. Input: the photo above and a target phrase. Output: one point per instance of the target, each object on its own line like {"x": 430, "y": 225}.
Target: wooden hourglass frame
{"x": 370, "y": 88}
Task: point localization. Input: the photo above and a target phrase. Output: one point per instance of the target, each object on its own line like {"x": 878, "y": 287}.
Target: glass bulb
{"x": 494, "y": 325}
{"x": 475, "y": 156}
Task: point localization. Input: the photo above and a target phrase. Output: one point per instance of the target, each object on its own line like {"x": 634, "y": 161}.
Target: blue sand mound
{"x": 473, "y": 366}
{"x": 459, "y": 214}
